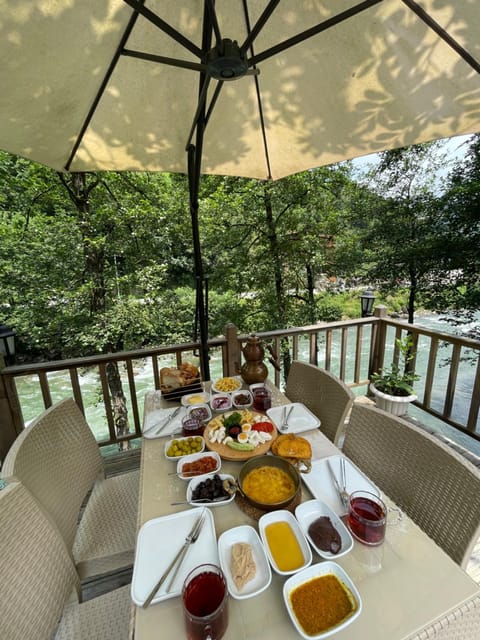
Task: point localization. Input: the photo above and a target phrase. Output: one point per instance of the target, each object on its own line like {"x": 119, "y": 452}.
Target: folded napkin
{"x": 158, "y": 416}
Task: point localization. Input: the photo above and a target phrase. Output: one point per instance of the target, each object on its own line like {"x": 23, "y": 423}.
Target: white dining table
{"x": 410, "y": 589}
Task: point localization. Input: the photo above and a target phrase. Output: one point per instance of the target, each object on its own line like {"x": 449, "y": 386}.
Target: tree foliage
{"x": 104, "y": 261}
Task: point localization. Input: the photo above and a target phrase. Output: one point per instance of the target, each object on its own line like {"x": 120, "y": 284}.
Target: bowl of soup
{"x": 268, "y": 482}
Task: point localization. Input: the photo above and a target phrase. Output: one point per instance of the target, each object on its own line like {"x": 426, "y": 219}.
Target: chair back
{"x": 37, "y": 575}
{"x": 57, "y": 458}
{"x": 323, "y": 393}
{"x": 436, "y": 486}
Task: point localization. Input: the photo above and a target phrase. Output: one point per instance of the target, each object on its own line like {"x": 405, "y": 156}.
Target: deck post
{"x": 8, "y": 429}
{"x": 379, "y": 336}
{"x": 232, "y": 359}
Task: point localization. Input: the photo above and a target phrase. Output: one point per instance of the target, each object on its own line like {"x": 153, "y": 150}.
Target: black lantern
{"x": 7, "y": 343}
{"x": 367, "y": 299}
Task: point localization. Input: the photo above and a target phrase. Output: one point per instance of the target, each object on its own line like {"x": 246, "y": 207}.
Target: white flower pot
{"x": 397, "y": 405}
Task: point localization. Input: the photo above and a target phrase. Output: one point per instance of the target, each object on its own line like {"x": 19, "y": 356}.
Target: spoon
{"x": 203, "y": 500}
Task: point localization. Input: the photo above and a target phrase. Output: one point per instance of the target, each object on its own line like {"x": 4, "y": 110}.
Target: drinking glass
{"x": 367, "y": 517}
{"x": 205, "y": 603}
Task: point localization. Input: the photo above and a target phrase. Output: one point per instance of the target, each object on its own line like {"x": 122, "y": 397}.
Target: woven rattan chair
{"x": 39, "y": 583}
{"x": 432, "y": 483}
{"x": 58, "y": 460}
{"x": 323, "y": 393}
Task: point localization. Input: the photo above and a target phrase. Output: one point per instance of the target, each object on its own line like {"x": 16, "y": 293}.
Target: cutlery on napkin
{"x": 159, "y": 426}
{"x": 178, "y": 559}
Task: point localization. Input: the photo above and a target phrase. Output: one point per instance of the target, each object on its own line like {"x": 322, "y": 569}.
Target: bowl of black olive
{"x": 242, "y": 399}
{"x": 211, "y": 491}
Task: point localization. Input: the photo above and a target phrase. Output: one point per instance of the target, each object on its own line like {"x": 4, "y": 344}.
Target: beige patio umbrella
{"x": 255, "y": 88}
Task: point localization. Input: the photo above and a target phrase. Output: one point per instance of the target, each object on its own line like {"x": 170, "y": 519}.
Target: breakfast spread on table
{"x": 246, "y": 435}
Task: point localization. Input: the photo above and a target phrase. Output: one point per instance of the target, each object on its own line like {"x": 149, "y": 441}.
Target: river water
{"x": 32, "y": 404}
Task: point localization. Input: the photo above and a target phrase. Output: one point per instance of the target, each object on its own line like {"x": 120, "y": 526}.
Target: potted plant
{"x": 392, "y": 387}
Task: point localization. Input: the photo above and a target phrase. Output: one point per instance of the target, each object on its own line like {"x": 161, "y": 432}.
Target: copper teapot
{"x": 254, "y": 369}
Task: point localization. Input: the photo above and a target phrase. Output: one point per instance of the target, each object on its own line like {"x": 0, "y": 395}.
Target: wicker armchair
{"x": 59, "y": 461}
{"x": 431, "y": 482}
{"x": 39, "y": 583}
{"x": 324, "y": 394}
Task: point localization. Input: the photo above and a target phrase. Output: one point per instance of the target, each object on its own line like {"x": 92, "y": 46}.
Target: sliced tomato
{"x": 265, "y": 426}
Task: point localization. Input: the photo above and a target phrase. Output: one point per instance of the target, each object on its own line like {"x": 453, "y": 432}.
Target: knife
{"x": 190, "y": 539}
{"x": 335, "y": 482}
{"x": 164, "y": 424}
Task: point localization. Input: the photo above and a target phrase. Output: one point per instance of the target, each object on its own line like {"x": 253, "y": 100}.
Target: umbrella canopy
{"x": 132, "y": 85}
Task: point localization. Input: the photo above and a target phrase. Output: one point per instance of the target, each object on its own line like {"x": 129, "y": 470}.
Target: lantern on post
{"x": 7, "y": 343}
{"x": 367, "y": 299}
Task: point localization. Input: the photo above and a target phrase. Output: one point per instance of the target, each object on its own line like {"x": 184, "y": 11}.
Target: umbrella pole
{"x": 194, "y": 161}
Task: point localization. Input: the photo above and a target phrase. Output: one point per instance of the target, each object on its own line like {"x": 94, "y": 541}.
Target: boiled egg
{"x": 246, "y": 427}
{"x": 242, "y": 437}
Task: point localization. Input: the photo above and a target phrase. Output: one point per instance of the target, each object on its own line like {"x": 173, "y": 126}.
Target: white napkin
{"x": 157, "y": 417}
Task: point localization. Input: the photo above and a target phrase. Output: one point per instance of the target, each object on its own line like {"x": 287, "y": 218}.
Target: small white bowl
{"x": 263, "y": 574}
{"x": 282, "y": 515}
{"x": 200, "y": 397}
{"x": 198, "y": 456}
{"x": 169, "y": 442}
{"x": 316, "y": 570}
{"x": 308, "y": 512}
{"x": 194, "y": 482}
{"x": 205, "y": 409}
{"x": 235, "y": 380}
{"x": 242, "y": 392}
{"x": 226, "y": 402}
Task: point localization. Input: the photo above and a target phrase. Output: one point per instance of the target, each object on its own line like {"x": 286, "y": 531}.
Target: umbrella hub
{"x": 226, "y": 61}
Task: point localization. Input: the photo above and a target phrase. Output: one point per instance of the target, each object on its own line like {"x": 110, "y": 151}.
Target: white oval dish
{"x": 263, "y": 574}
{"x": 282, "y": 515}
{"x": 198, "y": 456}
{"x": 169, "y": 442}
{"x": 196, "y": 481}
{"x": 316, "y": 570}
{"x": 236, "y": 380}
{"x": 309, "y": 511}
{"x": 200, "y": 397}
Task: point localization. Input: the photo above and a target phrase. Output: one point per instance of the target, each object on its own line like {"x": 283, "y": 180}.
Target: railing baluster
{"x": 475, "y": 403}
{"x": 452, "y": 381}
{"x": 432, "y": 361}
{"x": 133, "y": 396}
{"x": 107, "y": 402}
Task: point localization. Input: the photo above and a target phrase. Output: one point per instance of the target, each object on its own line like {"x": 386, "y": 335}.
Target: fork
{"x": 285, "y": 416}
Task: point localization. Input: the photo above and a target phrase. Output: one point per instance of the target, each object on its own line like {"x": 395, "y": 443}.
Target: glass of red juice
{"x": 205, "y": 603}
{"x": 367, "y": 517}
{"x": 262, "y": 399}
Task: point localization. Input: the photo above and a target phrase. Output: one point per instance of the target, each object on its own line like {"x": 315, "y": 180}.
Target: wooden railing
{"x": 351, "y": 349}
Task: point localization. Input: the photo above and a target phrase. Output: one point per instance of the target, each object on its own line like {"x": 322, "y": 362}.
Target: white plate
{"x": 196, "y": 481}
{"x": 282, "y": 515}
{"x": 200, "y": 397}
{"x": 300, "y": 418}
{"x": 198, "y": 456}
{"x": 169, "y": 442}
{"x": 157, "y": 543}
{"x": 316, "y": 570}
{"x": 321, "y": 486}
{"x": 238, "y": 382}
{"x": 263, "y": 574}
{"x": 309, "y": 511}
{"x": 157, "y": 417}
